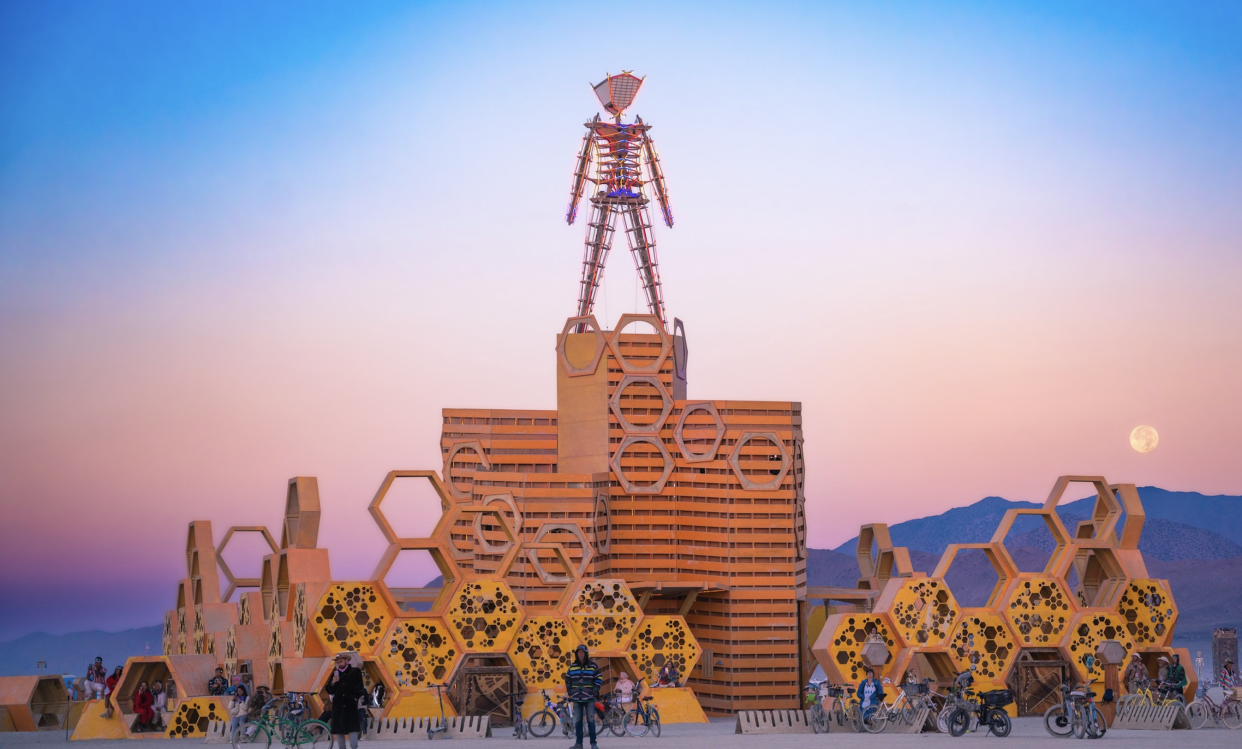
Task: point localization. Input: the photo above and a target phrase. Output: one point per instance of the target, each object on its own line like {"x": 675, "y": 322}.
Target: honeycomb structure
{"x": 848, "y": 634}
{"x": 603, "y": 615}
{"x": 924, "y": 611}
{"x": 351, "y": 616}
{"x": 1149, "y": 613}
{"x": 663, "y": 639}
{"x": 1089, "y": 630}
{"x": 419, "y": 651}
{"x": 483, "y": 615}
{"x": 1039, "y": 610}
{"x": 982, "y": 639}
{"x": 193, "y": 716}
{"x": 542, "y": 650}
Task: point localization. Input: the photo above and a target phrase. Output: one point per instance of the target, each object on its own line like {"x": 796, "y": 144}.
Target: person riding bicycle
{"x": 582, "y": 684}
{"x": 870, "y": 694}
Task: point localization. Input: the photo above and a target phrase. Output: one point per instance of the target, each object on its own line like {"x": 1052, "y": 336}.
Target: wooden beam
{"x": 686, "y": 604}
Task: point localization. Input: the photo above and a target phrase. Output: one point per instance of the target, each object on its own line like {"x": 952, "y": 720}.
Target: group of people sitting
{"x": 1170, "y": 678}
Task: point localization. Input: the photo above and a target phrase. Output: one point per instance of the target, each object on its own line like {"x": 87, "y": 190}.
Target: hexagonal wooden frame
{"x": 455, "y": 448}
{"x": 888, "y": 562}
{"x": 330, "y": 641}
{"x": 585, "y": 622}
{"x": 505, "y": 498}
{"x": 1077, "y": 647}
{"x": 401, "y": 630}
{"x": 906, "y": 605}
{"x": 1106, "y": 511}
{"x": 1055, "y": 527}
{"x": 995, "y": 669}
{"x": 639, "y": 653}
{"x": 614, "y": 342}
{"x": 458, "y": 620}
{"x": 710, "y": 454}
{"x": 446, "y": 500}
{"x": 562, "y": 555}
{"x": 1016, "y": 617}
{"x": 1115, "y": 577}
{"x": 1135, "y": 601}
{"x": 996, "y": 554}
{"x": 538, "y": 633}
{"x": 512, "y": 546}
{"x": 601, "y": 344}
{"x": 680, "y": 363}
{"x": 615, "y": 464}
{"x": 747, "y": 482}
{"x": 241, "y": 582}
{"x": 615, "y": 403}
{"x": 843, "y": 663}
{"x": 605, "y": 545}
{"x": 448, "y": 570}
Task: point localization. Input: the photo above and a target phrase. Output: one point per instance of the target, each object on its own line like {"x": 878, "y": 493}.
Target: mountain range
{"x": 1192, "y": 540}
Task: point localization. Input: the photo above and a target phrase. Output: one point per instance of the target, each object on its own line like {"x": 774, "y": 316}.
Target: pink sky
{"x": 978, "y": 251}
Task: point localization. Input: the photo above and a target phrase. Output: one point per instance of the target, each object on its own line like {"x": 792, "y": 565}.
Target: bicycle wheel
{"x": 819, "y": 719}
{"x": 251, "y": 735}
{"x": 317, "y": 734}
{"x": 635, "y": 725}
{"x": 655, "y": 722}
{"x": 541, "y": 724}
{"x": 616, "y": 721}
{"x": 907, "y": 714}
{"x": 998, "y": 723}
{"x": 942, "y": 718}
{"x": 838, "y": 714}
{"x": 1097, "y": 724}
{"x": 1231, "y": 714}
{"x": 876, "y": 721}
{"x": 959, "y": 722}
{"x": 854, "y": 716}
{"x": 1197, "y": 713}
{"x": 1078, "y": 721}
{"x": 1056, "y": 722}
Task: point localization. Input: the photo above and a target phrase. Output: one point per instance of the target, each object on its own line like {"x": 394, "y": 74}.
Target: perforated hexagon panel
{"x": 603, "y": 614}
{"x": 663, "y": 639}
{"x": 848, "y": 639}
{"x": 483, "y": 615}
{"x": 1039, "y": 610}
{"x": 351, "y": 616}
{"x": 982, "y": 639}
{"x": 1149, "y": 612}
{"x": 924, "y": 611}
{"x": 1086, "y": 634}
{"x": 419, "y": 651}
{"x": 193, "y": 715}
{"x": 542, "y": 651}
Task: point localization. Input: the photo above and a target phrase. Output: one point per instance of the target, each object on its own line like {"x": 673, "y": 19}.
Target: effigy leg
{"x": 598, "y": 241}
{"x": 642, "y": 245}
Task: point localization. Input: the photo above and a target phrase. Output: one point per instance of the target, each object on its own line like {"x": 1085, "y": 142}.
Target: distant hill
{"x": 1180, "y": 525}
{"x": 71, "y": 653}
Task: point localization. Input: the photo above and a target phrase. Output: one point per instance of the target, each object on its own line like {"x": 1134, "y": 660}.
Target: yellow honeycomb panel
{"x": 419, "y": 651}
{"x": 1039, "y": 611}
{"x": 542, "y": 651}
{"x": 663, "y": 639}
{"x": 982, "y": 639}
{"x": 351, "y": 616}
{"x": 604, "y": 614}
{"x": 924, "y": 611}
{"x": 192, "y": 716}
{"x": 1086, "y": 634}
{"x": 1149, "y": 612}
{"x": 484, "y": 615}
{"x": 848, "y": 639}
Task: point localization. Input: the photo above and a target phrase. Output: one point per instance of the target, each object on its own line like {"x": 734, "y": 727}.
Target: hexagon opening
{"x": 412, "y": 506}
{"x": 972, "y": 578}
{"x": 414, "y": 580}
{"x": 1031, "y": 543}
{"x": 640, "y": 402}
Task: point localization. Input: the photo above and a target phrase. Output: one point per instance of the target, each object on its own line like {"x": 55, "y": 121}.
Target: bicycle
{"x": 818, "y": 716}
{"x": 1075, "y": 715}
{"x": 644, "y": 717}
{"x": 309, "y": 733}
{"x": 542, "y": 723}
{"x": 988, "y": 711}
{"x": 442, "y": 727}
{"x": 520, "y": 729}
{"x": 1228, "y": 713}
{"x": 614, "y": 715}
{"x": 910, "y": 699}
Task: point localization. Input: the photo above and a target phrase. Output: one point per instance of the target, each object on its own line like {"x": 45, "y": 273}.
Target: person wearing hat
{"x": 1162, "y": 673}
{"x": 1135, "y": 675}
{"x": 95, "y": 678}
{"x": 346, "y": 688}
{"x": 582, "y": 683}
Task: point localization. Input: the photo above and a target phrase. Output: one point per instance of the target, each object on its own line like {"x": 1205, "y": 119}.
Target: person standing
{"x": 143, "y": 700}
{"x": 582, "y": 683}
{"x": 96, "y": 677}
{"x": 1229, "y": 675}
{"x": 239, "y": 711}
{"x": 1135, "y": 675}
{"x": 1177, "y": 677}
{"x": 346, "y": 688}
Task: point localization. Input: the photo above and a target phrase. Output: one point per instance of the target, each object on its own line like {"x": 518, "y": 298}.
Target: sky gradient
{"x": 240, "y": 242}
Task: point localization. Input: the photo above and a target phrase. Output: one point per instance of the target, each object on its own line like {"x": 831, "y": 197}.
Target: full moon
{"x": 1144, "y": 439}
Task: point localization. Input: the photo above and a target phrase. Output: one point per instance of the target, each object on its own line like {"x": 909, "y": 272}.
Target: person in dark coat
{"x": 582, "y": 683}
{"x": 346, "y": 688}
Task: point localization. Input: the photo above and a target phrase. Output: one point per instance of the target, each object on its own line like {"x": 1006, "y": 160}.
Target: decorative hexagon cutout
{"x": 603, "y": 523}
{"x": 448, "y": 569}
{"x": 542, "y": 651}
{"x": 601, "y": 343}
{"x": 1090, "y": 628}
{"x": 625, "y": 480}
{"x": 351, "y": 616}
{"x": 241, "y": 582}
{"x": 1107, "y": 510}
{"x": 483, "y": 615}
{"x": 842, "y": 642}
{"x": 562, "y": 554}
{"x": 982, "y": 639}
{"x": 1039, "y": 610}
{"x": 603, "y": 615}
{"x": 699, "y": 407}
{"x": 450, "y": 482}
{"x": 661, "y": 639}
{"x": 495, "y": 518}
{"x": 446, "y": 501}
{"x": 1060, "y": 536}
{"x": 1094, "y": 573}
{"x": 653, "y": 383}
{"x": 681, "y": 348}
{"x": 1148, "y": 611}
{"x": 777, "y": 474}
{"x": 996, "y": 555}
{"x": 630, "y": 367}
{"x": 923, "y": 611}
{"x": 419, "y": 651}
{"x": 193, "y": 715}
{"x": 502, "y": 501}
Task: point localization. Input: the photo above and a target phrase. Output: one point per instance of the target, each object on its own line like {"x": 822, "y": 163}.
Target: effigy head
{"x": 616, "y": 92}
